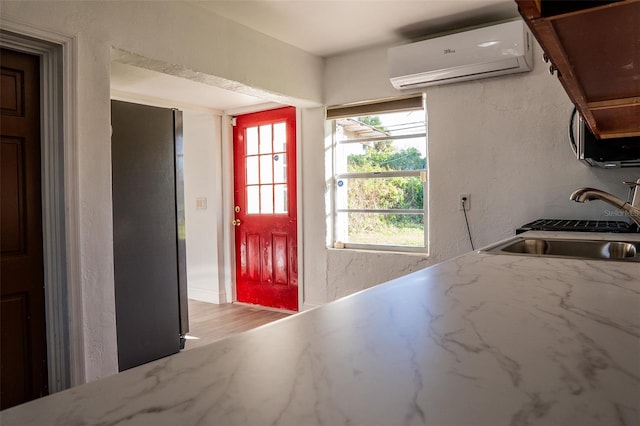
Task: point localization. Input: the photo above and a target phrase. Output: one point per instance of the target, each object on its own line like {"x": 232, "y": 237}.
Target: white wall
{"x": 503, "y": 140}
{"x": 203, "y": 180}
{"x": 312, "y": 194}
{"x": 173, "y": 37}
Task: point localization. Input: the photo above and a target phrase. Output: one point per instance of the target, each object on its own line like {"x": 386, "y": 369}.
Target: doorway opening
{"x": 208, "y": 188}
{"x": 265, "y": 206}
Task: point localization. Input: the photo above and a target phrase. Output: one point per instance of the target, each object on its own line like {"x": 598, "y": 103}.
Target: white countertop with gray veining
{"x": 482, "y": 339}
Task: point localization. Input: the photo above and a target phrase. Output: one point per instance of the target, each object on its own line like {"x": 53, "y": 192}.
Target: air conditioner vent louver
{"x": 484, "y": 52}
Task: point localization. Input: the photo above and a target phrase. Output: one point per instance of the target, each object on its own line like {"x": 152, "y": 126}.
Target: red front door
{"x": 265, "y": 206}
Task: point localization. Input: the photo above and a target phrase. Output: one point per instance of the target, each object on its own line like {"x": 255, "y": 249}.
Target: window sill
{"x": 378, "y": 252}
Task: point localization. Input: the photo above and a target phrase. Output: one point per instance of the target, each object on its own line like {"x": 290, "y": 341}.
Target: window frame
{"x": 410, "y": 103}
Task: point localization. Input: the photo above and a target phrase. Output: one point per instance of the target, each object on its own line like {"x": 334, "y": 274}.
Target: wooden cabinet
{"x": 594, "y": 46}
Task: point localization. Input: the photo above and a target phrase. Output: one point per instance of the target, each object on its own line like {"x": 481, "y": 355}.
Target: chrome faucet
{"x": 632, "y": 208}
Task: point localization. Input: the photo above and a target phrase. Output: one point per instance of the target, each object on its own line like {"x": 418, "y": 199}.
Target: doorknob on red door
{"x": 236, "y": 222}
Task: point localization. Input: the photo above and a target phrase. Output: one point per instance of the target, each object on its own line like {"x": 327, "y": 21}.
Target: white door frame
{"x": 60, "y": 209}
{"x": 228, "y": 267}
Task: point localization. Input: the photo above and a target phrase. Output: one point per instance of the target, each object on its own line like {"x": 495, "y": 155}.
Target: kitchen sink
{"x": 568, "y": 248}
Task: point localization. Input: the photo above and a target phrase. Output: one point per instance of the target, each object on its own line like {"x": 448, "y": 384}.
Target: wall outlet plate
{"x": 467, "y": 202}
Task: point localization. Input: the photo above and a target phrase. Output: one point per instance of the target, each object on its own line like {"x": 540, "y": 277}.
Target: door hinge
{"x": 233, "y": 121}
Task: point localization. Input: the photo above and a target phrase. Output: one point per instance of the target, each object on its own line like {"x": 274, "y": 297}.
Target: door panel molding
{"x": 15, "y": 309}
{"x": 61, "y": 225}
{"x": 14, "y": 240}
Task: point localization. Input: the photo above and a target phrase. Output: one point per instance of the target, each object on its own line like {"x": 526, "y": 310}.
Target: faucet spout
{"x": 583, "y": 195}
{"x": 587, "y": 194}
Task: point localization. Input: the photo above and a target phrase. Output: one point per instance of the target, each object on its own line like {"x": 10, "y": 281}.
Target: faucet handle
{"x": 631, "y": 183}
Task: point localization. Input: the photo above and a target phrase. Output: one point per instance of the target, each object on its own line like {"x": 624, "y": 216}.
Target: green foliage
{"x": 384, "y": 193}
{"x": 374, "y": 160}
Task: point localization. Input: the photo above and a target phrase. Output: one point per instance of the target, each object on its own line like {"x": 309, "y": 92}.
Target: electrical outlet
{"x": 466, "y": 198}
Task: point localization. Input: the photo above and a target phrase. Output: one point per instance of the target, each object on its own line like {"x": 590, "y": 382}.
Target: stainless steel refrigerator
{"x": 148, "y": 232}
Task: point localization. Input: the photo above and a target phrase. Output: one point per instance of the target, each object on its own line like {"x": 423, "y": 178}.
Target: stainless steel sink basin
{"x": 580, "y": 249}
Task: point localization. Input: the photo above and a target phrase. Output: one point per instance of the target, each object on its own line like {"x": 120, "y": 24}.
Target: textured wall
{"x": 172, "y": 37}
{"x": 503, "y": 140}
{"x": 203, "y": 179}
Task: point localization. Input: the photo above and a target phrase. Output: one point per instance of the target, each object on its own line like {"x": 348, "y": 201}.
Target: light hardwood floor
{"x": 210, "y": 322}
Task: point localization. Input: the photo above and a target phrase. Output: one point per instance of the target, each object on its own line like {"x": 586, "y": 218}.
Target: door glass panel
{"x": 266, "y": 199}
{"x": 252, "y": 170}
{"x": 265, "y": 139}
{"x": 280, "y": 198}
{"x": 266, "y": 171}
{"x": 279, "y": 137}
{"x": 252, "y": 140}
{"x": 279, "y": 168}
{"x": 253, "y": 199}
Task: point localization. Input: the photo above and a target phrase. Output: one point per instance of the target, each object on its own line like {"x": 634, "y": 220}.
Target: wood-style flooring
{"x": 209, "y": 322}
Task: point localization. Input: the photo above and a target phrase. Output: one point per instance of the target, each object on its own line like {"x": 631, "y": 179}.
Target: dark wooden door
{"x": 265, "y": 204}
{"x": 24, "y": 345}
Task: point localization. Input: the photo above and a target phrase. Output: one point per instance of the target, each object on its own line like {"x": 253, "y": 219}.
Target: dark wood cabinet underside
{"x": 595, "y": 48}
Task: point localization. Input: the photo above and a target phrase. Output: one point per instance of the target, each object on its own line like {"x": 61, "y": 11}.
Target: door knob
{"x": 236, "y": 222}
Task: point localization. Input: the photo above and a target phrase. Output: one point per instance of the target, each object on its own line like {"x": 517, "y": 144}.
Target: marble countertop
{"x": 482, "y": 339}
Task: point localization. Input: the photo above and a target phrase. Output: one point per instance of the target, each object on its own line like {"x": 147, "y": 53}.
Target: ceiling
{"x": 330, "y": 27}
{"x": 320, "y": 27}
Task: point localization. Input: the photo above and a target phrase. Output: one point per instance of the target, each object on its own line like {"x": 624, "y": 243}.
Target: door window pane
{"x": 280, "y": 198}
{"x": 266, "y": 172}
{"x": 280, "y": 168}
{"x": 253, "y": 199}
{"x": 266, "y": 199}
{"x": 279, "y": 137}
{"x": 265, "y": 139}
{"x": 252, "y": 170}
{"x": 252, "y": 140}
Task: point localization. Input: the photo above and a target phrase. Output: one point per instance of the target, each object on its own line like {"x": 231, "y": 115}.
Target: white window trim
{"x": 333, "y": 113}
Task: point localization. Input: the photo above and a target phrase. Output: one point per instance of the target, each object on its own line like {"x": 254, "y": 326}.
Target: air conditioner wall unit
{"x": 480, "y": 53}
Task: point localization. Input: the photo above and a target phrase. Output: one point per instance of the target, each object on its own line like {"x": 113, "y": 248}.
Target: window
{"x": 266, "y": 168}
{"x": 380, "y": 175}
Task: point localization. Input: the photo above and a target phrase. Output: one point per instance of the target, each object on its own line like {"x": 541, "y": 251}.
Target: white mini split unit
{"x": 484, "y": 52}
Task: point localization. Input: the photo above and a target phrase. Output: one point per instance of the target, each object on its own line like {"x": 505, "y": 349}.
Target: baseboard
{"x": 307, "y": 306}
{"x": 206, "y": 295}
